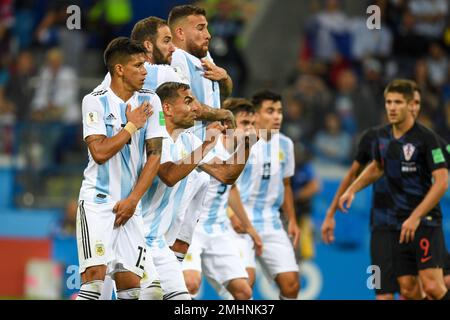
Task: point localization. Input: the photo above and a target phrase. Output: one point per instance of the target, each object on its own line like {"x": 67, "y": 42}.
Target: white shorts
{"x": 216, "y": 255}
{"x": 150, "y": 273}
{"x": 99, "y": 243}
{"x": 278, "y": 254}
{"x": 168, "y": 268}
{"x": 184, "y": 226}
{"x": 244, "y": 244}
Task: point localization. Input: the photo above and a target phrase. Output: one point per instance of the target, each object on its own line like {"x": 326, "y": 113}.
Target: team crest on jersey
{"x": 100, "y": 249}
{"x": 188, "y": 257}
{"x": 281, "y": 156}
{"x": 408, "y": 151}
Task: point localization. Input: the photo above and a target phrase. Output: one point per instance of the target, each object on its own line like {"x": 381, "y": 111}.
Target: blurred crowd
{"x": 334, "y": 93}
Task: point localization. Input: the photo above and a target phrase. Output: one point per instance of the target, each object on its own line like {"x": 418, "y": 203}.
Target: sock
{"x": 177, "y": 295}
{"x": 90, "y": 290}
{"x": 108, "y": 288}
{"x": 180, "y": 256}
{"x": 446, "y": 296}
{"x": 285, "y": 298}
{"x": 152, "y": 292}
{"x": 129, "y": 294}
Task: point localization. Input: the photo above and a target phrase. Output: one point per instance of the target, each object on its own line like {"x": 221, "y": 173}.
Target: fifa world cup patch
{"x": 438, "y": 156}
{"x": 92, "y": 117}
{"x": 100, "y": 249}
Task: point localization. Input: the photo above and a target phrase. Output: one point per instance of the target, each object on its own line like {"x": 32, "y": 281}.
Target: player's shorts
{"x": 150, "y": 273}
{"x": 167, "y": 267}
{"x": 216, "y": 255}
{"x": 99, "y": 243}
{"x": 278, "y": 254}
{"x": 244, "y": 244}
{"x": 447, "y": 263}
{"x": 382, "y": 255}
{"x": 184, "y": 225}
{"x": 426, "y": 251}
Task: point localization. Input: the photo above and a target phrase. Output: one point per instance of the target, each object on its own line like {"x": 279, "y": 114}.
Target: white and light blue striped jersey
{"x": 157, "y": 74}
{"x": 205, "y": 90}
{"x": 213, "y": 215}
{"x": 162, "y": 204}
{"x": 104, "y": 114}
{"x": 261, "y": 183}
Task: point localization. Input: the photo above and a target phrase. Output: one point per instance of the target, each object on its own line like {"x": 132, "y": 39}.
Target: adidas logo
{"x": 110, "y": 117}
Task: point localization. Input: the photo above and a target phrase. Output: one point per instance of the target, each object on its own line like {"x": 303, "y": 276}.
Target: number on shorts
{"x": 141, "y": 257}
{"x": 425, "y": 246}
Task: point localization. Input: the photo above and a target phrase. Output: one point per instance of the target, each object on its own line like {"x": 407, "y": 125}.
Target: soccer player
{"x": 265, "y": 189}
{"x": 411, "y": 158}
{"x": 115, "y": 125}
{"x": 213, "y": 250}
{"x": 210, "y": 84}
{"x": 166, "y": 199}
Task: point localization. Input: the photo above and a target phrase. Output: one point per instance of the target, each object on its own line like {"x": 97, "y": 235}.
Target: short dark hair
{"x": 402, "y": 86}
{"x": 147, "y": 28}
{"x": 119, "y": 50}
{"x": 183, "y": 11}
{"x": 263, "y": 95}
{"x": 169, "y": 90}
{"x": 236, "y": 105}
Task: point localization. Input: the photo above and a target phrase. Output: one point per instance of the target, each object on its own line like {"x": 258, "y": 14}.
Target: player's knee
{"x": 193, "y": 285}
{"x": 433, "y": 289}
{"x": 408, "y": 292}
{"x": 290, "y": 288}
{"x": 94, "y": 273}
{"x": 243, "y": 293}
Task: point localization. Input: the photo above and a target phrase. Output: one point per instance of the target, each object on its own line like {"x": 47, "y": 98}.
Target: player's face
{"x": 416, "y": 106}
{"x": 245, "y": 121}
{"x": 163, "y": 48}
{"x": 134, "y": 71}
{"x": 184, "y": 109}
{"x": 269, "y": 116}
{"x": 397, "y": 107}
{"x": 197, "y": 35}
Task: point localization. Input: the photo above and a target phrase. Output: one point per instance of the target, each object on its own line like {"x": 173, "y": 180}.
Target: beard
{"x": 196, "y": 51}
{"x": 158, "y": 57}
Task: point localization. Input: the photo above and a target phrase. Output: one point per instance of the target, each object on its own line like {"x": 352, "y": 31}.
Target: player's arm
{"x": 289, "y": 211}
{"x": 124, "y": 209}
{"x": 207, "y": 113}
{"x": 329, "y": 223}
{"x": 171, "y": 172}
{"x": 431, "y": 200}
{"x": 371, "y": 173}
{"x": 235, "y": 203}
{"x": 103, "y": 148}
{"x": 227, "y": 171}
{"x": 219, "y": 74}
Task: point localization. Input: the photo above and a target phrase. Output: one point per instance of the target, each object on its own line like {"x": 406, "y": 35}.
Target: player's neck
{"x": 121, "y": 90}
{"x": 173, "y": 130}
{"x": 399, "y": 129}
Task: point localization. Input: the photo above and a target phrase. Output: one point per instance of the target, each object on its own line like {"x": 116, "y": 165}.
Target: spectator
{"x": 437, "y": 64}
{"x": 430, "y": 16}
{"x": 332, "y": 145}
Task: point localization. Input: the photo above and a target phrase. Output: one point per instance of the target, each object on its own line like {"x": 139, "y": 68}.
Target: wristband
{"x": 130, "y": 127}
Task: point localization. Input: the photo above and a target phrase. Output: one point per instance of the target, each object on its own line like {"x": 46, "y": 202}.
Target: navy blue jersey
{"x": 408, "y": 164}
{"x": 380, "y": 215}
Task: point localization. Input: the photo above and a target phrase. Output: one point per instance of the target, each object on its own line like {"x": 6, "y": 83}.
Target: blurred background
{"x": 320, "y": 54}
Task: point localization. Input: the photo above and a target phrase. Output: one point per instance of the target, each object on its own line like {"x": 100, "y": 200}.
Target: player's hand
{"x": 294, "y": 233}
{"x": 213, "y": 72}
{"x": 345, "y": 201}
{"x": 237, "y": 224}
{"x": 409, "y": 228}
{"x": 124, "y": 210}
{"x": 213, "y": 131}
{"x": 228, "y": 120}
{"x": 258, "y": 244}
{"x": 327, "y": 230}
{"x": 139, "y": 115}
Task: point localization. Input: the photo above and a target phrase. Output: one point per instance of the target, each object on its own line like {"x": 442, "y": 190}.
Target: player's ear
{"x": 118, "y": 69}
{"x": 148, "y": 46}
{"x": 167, "y": 109}
{"x": 179, "y": 33}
